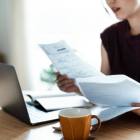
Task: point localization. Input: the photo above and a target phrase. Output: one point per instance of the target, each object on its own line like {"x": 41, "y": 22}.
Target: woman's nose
{"x": 110, "y": 1}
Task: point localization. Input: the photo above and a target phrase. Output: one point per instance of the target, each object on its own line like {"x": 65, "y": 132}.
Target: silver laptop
{"x": 12, "y": 100}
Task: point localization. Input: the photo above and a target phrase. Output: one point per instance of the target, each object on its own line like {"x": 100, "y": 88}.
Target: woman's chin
{"x": 121, "y": 17}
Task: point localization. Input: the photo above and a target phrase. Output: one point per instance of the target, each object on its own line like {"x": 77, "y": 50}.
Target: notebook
{"x": 54, "y": 100}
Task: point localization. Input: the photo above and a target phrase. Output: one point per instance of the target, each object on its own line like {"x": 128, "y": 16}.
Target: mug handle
{"x": 99, "y": 124}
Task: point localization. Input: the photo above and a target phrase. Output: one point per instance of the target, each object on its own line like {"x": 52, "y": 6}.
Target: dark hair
{"x": 105, "y": 8}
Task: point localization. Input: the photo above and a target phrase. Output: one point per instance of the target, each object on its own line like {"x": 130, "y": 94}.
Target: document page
{"x": 47, "y": 94}
{"x": 67, "y": 62}
{"x": 117, "y": 90}
{"x": 63, "y": 102}
{"x": 112, "y": 112}
{"x": 107, "y": 113}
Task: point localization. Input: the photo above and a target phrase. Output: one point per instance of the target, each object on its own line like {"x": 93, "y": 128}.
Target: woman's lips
{"x": 115, "y": 9}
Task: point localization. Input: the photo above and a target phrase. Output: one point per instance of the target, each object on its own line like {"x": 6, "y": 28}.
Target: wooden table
{"x": 124, "y": 127}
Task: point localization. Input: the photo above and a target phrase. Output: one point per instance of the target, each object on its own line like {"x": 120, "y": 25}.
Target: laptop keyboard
{"x": 37, "y": 115}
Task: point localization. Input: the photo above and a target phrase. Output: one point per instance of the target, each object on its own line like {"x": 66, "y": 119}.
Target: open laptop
{"x": 12, "y": 100}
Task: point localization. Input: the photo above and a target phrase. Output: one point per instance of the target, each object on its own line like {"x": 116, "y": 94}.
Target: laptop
{"x": 12, "y": 99}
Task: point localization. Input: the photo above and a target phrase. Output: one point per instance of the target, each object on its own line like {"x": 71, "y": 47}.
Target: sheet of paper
{"x": 67, "y": 62}
{"x": 104, "y": 92}
{"x": 107, "y": 113}
{"x": 105, "y": 79}
{"x": 47, "y": 94}
{"x": 63, "y": 102}
{"x": 111, "y": 112}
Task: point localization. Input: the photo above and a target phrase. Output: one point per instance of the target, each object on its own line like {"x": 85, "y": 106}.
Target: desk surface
{"x": 124, "y": 127}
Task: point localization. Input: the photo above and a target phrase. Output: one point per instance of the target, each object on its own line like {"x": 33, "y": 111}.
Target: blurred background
{"x": 26, "y": 23}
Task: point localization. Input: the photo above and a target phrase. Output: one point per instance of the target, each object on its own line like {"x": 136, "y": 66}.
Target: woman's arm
{"x": 105, "y": 67}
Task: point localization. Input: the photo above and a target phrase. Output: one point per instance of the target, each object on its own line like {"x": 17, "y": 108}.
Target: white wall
{"x": 4, "y": 29}
{"x": 13, "y": 39}
{"x": 26, "y": 23}
{"x": 79, "y": 22}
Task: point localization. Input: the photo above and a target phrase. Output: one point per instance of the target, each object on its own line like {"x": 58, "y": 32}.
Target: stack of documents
{"x": 116, "y": 91}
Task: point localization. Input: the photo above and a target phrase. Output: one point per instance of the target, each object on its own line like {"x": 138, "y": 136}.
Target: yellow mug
{"x": 76, "y": 123}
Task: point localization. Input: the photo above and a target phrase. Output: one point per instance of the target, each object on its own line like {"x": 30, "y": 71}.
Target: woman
{"x": 120, "y": 48}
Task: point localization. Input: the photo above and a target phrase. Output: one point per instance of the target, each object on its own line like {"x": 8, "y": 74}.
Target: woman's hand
{"x": 65, "y": 84}
{"x": 136, "y": 111}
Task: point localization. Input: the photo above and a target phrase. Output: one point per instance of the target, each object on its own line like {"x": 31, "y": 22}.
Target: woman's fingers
{"x": 62, "y": 77}
{"x": 66, "y": 86}
{"x": 72, "y": 88}
{"x": 57, "y": 73}
{"x": 136, "y": 111}
{"x": 64, "y": 82}
{"x": 136, "y": 104}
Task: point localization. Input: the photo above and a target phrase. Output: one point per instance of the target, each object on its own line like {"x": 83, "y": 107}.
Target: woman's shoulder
{"x": 116, "y": 27}
{"x": 112, "y": 34}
